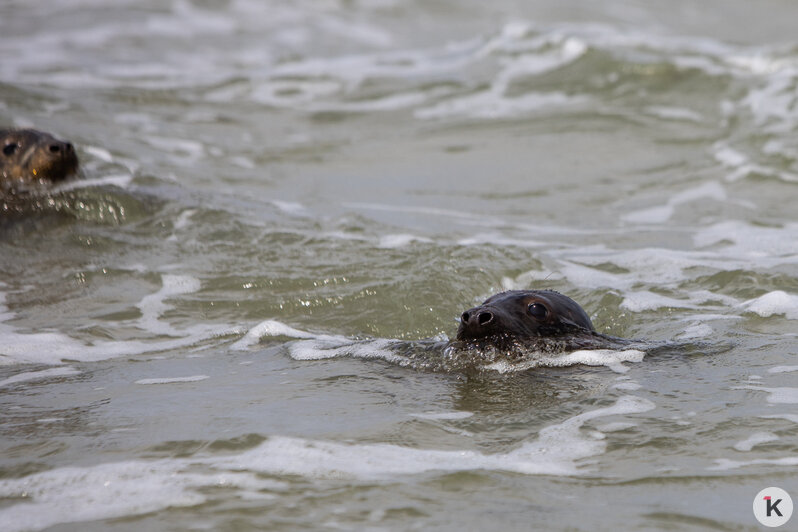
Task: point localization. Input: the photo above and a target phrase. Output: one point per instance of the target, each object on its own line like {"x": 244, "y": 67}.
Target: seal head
{"x": 29, "y": 157}
{"x": 524, "y": 314}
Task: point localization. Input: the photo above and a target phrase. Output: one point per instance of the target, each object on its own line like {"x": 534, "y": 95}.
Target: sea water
{"x": 276, "y": 195}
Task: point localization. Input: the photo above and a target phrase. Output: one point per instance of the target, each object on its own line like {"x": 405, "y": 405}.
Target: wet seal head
{"x": 30, "y": 158}
{"x": 522, "y": 315}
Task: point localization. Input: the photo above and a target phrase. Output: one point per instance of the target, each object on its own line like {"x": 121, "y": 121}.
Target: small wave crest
{"x": 435, "y": 355}
{"x": 53, "y": 347}
{"x": 106, "y": 491}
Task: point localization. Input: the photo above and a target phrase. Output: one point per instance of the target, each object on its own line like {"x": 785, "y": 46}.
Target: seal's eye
{"x": 538, "y": 311}
{"x": 9, "y": 149}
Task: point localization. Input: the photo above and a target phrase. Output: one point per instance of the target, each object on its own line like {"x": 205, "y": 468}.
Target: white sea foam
{"x": 117, "y": 180}
{"x": 654, "y": 266}
{"x": 616, "y": 426}
{"x": 497, "y": 239}
{"x": 645, "y": 300}
{"x": 270, "y": 328}
{"x": 783, "y": 395}
{"x": 426, "y": 211}
{"x": 626, "y": 386}
{"x": 54, "y": 347}
{"x": 442, "y": 415}
{"x": 290, "y": 207}
{"x": 774, "y": 303}
{"x": 557, "y": 451}
{"x": 755, "y": 439}
{"x": 387, "y": 103}
{"x": 587, "y": 277}
{"x": 493, "y": 105}
{"x": 729, "y": 156}
{"x": 724, "y": 464}
{"x": 494, "y": 101}
{"x": 171, "y": 380}
{"x": 596, "y": 357}
{"x": 741, "y": 166}
{"x": 746, "y": 245}
{"x": 321, "y": 349}
{"x": 39, "y": 375}
{"x": 675, "y": 113}
{"x": 660, "y": 214}
{"x": 527, "y": 279}
{"x": 696, "y": 330}
{"x": 153, "y": 305}
{"x": 183, "y": 150}
{"x": 75, "y": 494}
{"x": 400, "y": 240}
{"x": 742, "y": 247}
{"x": 350, "y": 71}
{"x": 183, "y": 219}
{"x": 311, "y": 346}
{"x": 50, "y": 420}
{"x": 782, "y": 369}
{"x": 100, "y": 153}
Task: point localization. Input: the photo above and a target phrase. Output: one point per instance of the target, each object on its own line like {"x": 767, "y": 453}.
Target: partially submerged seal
{"x": 30, "y": 159}
{"x": 539, "y": 320}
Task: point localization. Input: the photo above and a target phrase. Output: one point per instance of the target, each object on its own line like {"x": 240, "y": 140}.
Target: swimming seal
{"x": 30, "y": 158}
{"x": 543, "y": 320}
{"x": 524, "y": 314}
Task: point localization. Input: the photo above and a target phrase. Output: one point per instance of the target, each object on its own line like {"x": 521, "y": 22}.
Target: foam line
{"x": 783, "y": 395}
{"x": 724, "y": 464}
{"x": 753, "y": 440}
{"x": 171, "y": 380}
{"x": 53, "y": 348}
{"x": 107, "y": 491}
{"x": 557, "y": 451}
{"x": 39, "y": 375}
{"x": 270, "y": 328}
{"x": 773, "y": 303}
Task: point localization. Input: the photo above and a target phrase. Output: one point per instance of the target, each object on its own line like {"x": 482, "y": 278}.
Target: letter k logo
{"x": 772, "y": 506}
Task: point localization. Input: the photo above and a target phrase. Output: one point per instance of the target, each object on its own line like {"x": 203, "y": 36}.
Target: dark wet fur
{"x": 31, "y": 163}
{"x": 527, "y": 315}
{"x": 32, "y": 159}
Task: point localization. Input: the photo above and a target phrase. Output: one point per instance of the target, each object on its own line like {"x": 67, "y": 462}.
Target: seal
{"x": 542, "y": 320}
{"x": 30, "y": 159}
{"x": 524, "y": 314}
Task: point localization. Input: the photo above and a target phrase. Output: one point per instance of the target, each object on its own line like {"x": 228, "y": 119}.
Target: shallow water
{"x": 203, "y": 332}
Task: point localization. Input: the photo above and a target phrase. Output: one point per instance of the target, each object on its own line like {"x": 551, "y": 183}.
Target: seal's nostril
{"x": 68, "y": 147}
{"x": 464, "y": 317}
{"x": 484, "y": 317}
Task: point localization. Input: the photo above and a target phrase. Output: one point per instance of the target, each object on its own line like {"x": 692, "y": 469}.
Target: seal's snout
{"x": 475, "y": 323}
{"x": 480, "y": 316}
{"x": 63, "y": 148}
{"x": 61, "y": 162}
